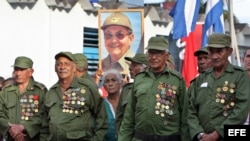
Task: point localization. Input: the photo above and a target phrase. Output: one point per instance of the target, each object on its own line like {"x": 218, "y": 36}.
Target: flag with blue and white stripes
{"x": 214, "y": 21}
{"x": 185, "y": 14}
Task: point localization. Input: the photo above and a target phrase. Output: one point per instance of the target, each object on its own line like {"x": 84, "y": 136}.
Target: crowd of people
{"x": 155, "y": 106}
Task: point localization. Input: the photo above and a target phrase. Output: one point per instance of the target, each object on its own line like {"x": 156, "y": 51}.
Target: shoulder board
{"x": 127, "y": 85}
{"x": 143, "y": 72}
{"x": 239, "y": 68}
{"x": 193, "y": 80}
{"x": 40, "y": 85}
{"x": 176, "y": 73}
{"x": 86, "y": 81}
{"x": 7, "y": 86}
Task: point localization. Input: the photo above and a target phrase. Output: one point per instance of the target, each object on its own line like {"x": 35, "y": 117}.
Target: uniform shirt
{"x": 215, "y": 102}
{"x": 25, "y": 108}
{"x": 77, "y": 114}
{"x": 123, "y": 100}
{"x": 156, "y": 106}
{"x": 121, "y": 64}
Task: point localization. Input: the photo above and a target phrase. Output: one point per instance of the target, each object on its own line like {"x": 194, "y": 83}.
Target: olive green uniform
{"x": 25, "y": 108}
{"x": 77, "y": 114}
{"x": 157, "y": 106}
{"x": 124, "y": 96}
{"x": 215, "y": 102}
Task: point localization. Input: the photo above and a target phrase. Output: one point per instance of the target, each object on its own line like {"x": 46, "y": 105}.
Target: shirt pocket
{"x": 11, "y": 109}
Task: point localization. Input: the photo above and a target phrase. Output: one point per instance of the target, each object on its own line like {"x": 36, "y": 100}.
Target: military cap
{"x": 138, "y": 58}
{"x": 201, "y": 50}
{"x": 23, "y": 62}
{"x": 157, "y": 43}
{"x": 66, "y": 54}
{"x": 219, "y": 40}
{"x": 80, "y": 60}
{"x": 117, "y": 18}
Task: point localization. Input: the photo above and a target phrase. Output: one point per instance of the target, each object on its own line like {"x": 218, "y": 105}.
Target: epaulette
{"x": 139, "y": 73}
{"x": 176, "y": 73}
{"x": 239, "y": 68}
{"x": 85, "y": 81}
{"x": 7, "y": 86}
{"x": 40, "y": 85}
{"x": 127, "y": 84}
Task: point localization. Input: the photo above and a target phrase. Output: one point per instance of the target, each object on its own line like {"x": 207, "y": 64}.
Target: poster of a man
{"x": 121, "y": 35}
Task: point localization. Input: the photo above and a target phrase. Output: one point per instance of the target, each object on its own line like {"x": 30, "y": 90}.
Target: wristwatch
{"x": 200, "y": 135}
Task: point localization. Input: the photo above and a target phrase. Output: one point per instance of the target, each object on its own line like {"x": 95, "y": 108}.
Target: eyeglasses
{"x": 155, "y": 53}
{"x": 119, "y": 35}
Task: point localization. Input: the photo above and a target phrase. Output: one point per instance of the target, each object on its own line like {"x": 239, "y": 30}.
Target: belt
{"x": 145, "y": 137}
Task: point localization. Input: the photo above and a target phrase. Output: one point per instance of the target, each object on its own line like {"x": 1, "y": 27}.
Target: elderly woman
{"x": 112, "y": 82}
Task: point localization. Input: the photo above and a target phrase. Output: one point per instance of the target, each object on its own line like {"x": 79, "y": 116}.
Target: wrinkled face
{"x": 203, "y": 61}
{"x": 112, "y": 84}
{"x": 117, "y": 40}
{"x": 219, "y": 56}
{"x": 246, "y": 60}
{"x": 157, "y": 59}
{"x": 22, "y": 75}
{"x": 135, "y": 68}
{"x": 65, "y": 68}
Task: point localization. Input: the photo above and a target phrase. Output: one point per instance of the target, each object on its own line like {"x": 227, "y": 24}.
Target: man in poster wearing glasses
{"x": 118, "y": 36}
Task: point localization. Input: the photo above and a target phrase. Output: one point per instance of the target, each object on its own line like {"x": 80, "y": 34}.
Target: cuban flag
{"x": 185, "y": 14}
{"x": 214, "y": 20}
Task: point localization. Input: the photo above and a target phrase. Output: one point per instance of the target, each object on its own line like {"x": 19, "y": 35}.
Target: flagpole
{"x": 235, "y": 54}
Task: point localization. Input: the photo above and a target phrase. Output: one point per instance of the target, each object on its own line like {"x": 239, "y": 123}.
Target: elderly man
{"x": 21, "y": 104}
{"x": 203, "y": 59}
{"x": 138, "y": 64}
{"x": 156, "y": 110}
{"x": 74, "y": 108}
{"x": 118, "y": 37}
{"x": 220, "y": 95}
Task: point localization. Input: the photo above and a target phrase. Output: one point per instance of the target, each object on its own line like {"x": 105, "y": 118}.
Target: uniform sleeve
{"x": 193, "y": 121}
{"x": 127, "y": 127}
{"x": 119, "y": 113}
{"x": 3, "y": 117}
{"x": 183, "y": 104}
{"x": 99, "y": 113}
{"x": 240, "y": 111}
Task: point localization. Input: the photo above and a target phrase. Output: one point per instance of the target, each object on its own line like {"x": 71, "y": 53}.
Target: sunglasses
{"x": 119, "y": 35}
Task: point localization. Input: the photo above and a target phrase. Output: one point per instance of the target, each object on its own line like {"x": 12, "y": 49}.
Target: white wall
{"x": 40, "y": 33}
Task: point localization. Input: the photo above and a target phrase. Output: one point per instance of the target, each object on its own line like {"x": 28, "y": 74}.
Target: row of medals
{"x": 29, "y": 107}
{"x": 165, "y": 97}
{"x": 72, "y": 97}
{"x": 227, "y": 100}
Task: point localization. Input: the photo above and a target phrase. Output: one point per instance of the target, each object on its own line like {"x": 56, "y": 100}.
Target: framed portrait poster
{"x": 121, "y": 34}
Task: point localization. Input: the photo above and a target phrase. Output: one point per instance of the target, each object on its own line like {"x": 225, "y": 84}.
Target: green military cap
{"x": 23, "y": 62}
{"x": 171, "y": 59}
{"x": 138, "y": 58}
{"x": 66, "y": 54}
{"x": 81, "y": 60}
{"x": 201, "y": 50}
{"x": 218, "y": 40}
{"x": 117, "y": 18}
{"x": 157, "y": 43}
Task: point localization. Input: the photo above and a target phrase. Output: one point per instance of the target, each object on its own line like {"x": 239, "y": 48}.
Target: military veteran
{"x": 138, "y": 64}
{"x": 118, "y": 37}
{"x": 21, "y": 104}
{"x": 156, "y": 110}
{"x": 220, "y": 95}
{"x": 73, "y": 106}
